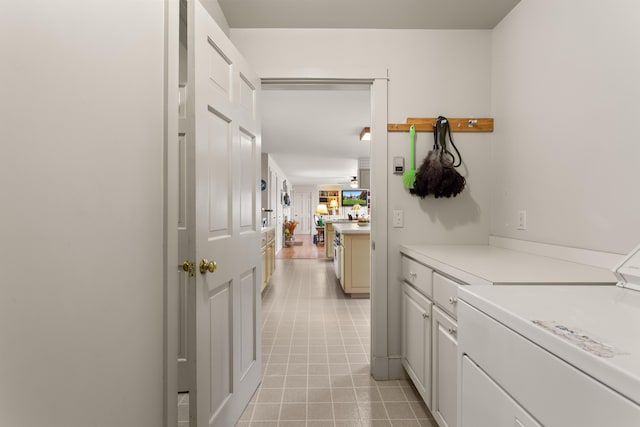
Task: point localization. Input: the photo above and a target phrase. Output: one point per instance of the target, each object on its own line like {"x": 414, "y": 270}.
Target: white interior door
{"x": 302, "y": 212}
{"x": 223, "y": 98}
{"x": 186, "y": 251}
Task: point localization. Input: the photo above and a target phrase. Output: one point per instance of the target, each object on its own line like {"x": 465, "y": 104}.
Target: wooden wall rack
{"x": 425, "y": 124}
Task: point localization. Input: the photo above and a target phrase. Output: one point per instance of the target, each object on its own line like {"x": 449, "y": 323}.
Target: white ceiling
{"x": 434, "y": 14}
{"x": 313, "y": 132}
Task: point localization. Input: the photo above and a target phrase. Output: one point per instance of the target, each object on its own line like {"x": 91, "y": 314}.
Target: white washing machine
{"x": 555, "y": 356}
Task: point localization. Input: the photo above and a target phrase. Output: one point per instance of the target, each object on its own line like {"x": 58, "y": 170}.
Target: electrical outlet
{"x": 398, "y": 219}
{"x": 522, "y": 220}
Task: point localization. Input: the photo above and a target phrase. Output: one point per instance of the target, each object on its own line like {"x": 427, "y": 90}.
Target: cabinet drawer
{"x": 445, "y": 294}
{"x": 418, "y": 275}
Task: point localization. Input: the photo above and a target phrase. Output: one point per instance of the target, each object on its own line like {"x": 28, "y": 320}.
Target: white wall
{"x": 81, "y": 224}
{"x": 431, "y": 73}
{"x": 566, "y": 98}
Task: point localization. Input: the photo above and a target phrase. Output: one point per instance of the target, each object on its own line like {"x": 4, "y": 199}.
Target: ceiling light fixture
{"x": 365, "y": 135}
{"x": 354, "y": 183}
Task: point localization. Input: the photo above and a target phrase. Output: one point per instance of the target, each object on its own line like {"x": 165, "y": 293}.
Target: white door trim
{"x": 170, "y": 184}
{"x": 382, "y": 367}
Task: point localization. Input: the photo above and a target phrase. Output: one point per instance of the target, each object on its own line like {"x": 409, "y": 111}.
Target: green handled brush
{"x": 409, "y": 176}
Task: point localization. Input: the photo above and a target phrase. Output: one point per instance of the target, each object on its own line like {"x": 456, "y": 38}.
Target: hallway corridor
{"x": 316, "y": 347}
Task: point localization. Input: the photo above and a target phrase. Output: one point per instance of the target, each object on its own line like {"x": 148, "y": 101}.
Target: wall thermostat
{"x": 398, "y": 165}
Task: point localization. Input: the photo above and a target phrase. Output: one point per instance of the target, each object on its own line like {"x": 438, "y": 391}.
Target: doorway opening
{"x": 374, "y": 83}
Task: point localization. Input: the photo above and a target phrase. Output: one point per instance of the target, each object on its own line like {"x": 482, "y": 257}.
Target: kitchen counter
{"x": 490, "y": 265}
{"x": 352, "y": 228}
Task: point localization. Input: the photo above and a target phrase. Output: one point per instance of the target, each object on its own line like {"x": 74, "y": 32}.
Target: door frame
{"x": 383, "y": 366}
{"x": 170, "y": 231}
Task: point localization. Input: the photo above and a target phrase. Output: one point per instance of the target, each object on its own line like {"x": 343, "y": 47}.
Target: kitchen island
{"x": 330, "y": 234}
{"x": 355, "y": 257}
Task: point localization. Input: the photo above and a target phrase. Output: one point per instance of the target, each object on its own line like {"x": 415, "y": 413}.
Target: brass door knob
{"x": 206, "y": 265}
{"x": 188, "y": 267}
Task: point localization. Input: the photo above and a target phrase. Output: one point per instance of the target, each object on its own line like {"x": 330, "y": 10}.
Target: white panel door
{"x": 302, "y": 212}
{"x": 222, "y": 98}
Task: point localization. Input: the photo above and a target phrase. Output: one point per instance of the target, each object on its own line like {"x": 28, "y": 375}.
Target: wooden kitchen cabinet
{"x": 329, "y": 235}
{"x": 416, "y": 340}
{"x": 268, "y": 255}
{"x": 356, "y": 265}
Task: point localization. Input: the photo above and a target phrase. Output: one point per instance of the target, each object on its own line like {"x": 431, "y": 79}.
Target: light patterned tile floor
{"x": 315, "y": 350}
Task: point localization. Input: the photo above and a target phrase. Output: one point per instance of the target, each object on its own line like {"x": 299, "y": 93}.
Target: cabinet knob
{"x": 452, "y": 331}
{"x": 412, "y": 274}
{"x": 453, "y": 300}
{"x": 425, "y": 315}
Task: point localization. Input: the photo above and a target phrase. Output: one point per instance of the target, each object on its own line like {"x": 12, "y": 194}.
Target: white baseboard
{"x": 387, "y": 368}
{"x": 396, "y": 371}
{"x": 380, "y": 368}
{"x": 582, "y": 256}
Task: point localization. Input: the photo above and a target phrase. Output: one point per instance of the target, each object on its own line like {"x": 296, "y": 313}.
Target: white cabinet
{"x": 486, "y": 404}
{"x": 416, "y": 339}
{"x": 429, "y": 345}
{"x": 418, "y": 275}
{"x": 445, "y": 294}
{"x": 445, "y": 371}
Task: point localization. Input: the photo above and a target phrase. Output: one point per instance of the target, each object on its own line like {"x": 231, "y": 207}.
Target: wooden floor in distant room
{"x": 303, "y": 249}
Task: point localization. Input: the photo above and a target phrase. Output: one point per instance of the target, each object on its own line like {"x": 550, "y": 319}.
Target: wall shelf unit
{"x": 325, "y": 197}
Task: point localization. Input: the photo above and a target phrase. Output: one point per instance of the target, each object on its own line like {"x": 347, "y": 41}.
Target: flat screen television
{"x": 354, "y": 197}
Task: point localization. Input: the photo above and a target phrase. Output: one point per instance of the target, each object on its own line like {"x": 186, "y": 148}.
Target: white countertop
{"x": 490, "y": 265}
{"x": 606, "y": 314}
{"x": 352, "y": 228}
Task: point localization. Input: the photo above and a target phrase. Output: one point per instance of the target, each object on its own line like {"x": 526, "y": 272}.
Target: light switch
{"x": 398, "y": 165}
{"x": 522, "y": 220}
{"x": 398, "y": 219}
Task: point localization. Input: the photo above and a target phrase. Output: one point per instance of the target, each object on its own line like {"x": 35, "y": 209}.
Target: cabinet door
{"x": 357, "y": 263}
{"x": 444, "y": 369}
{"x": 265, "y": 270}
{"x": 484, "y": 403}
{"x": 416, "y": 340}
{"x": 272, "y": 257}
